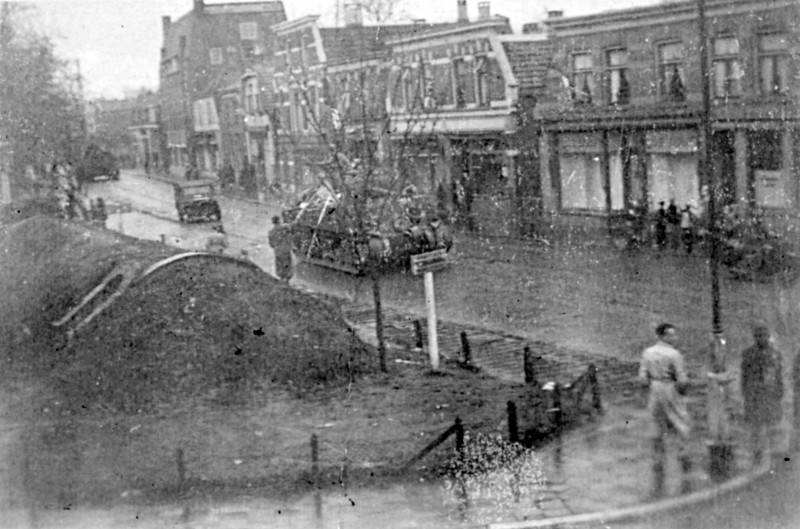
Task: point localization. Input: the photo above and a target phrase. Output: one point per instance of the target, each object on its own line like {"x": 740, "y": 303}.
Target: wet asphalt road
{"x": 600, "y": 301}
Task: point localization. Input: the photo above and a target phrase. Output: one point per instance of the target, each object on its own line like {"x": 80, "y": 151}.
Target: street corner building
{"x": 621, "y": 122}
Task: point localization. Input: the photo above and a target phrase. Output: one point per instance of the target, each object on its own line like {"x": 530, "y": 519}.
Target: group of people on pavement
{"x": 675, "y": 227}
{"x": 663, "y": 372}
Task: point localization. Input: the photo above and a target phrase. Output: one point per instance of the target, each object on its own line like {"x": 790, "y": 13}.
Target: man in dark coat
{"x": 661, "y": 226}
{"x": 762, "y": 390}
{"x": 280, "y": 239}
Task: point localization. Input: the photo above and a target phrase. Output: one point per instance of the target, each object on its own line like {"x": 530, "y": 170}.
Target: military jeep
{"x": 195, "y": 201}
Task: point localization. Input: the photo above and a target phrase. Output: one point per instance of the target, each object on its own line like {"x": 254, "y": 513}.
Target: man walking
{"x": 281, "y": 242}
{"x": 762, "y": 390}
{"x": 662, "y": 371}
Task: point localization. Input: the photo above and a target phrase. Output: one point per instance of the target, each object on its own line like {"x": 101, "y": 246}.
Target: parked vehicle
{"x": 97, "y": 164}
{"x": 324, "y": 234}
{"x": 195, "y": 200}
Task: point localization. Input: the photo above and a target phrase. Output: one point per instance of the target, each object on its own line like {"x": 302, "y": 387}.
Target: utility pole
{"x": 720, "y": 448}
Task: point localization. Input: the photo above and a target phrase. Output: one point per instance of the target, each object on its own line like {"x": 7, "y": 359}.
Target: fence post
{"x": 513, "y": 429}
{"x": 459, "y": 437}
{"x": 181, "y": 464}
{"x": 596, "y": 403}
{"x": 530, "y": 375}
{"x": 465, "y": 350}
{"x": 558, "y": 412}
{"x": 418, "y": 334}
{"x": 315, "y": 459}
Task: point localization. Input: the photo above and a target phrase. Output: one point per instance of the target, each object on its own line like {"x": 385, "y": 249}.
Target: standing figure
{"x": 217, "y": 242}
{"x": 661, "y": 226}
{"x": 280, "y": 239}
{"x": 687, "y": 228}
{"x": 673, "y": 221}
{"x": 762, "y": 391}
{"x": 662, "y": 371}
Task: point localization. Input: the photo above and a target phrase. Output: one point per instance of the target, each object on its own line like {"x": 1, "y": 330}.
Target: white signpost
{"x": 426, "y": 264}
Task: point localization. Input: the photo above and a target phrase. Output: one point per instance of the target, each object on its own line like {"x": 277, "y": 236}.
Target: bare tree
{"x": 382, "y": 11}
{"x": 368, "y": 214}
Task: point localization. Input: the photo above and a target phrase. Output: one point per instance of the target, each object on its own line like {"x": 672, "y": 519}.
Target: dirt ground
{"x": 206, "y": 380}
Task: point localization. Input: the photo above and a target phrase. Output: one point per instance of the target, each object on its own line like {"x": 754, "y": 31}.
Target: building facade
{"x": 465, "y": 94}
{"x": 205, "y": 52}
{"x": 621, "y": 120}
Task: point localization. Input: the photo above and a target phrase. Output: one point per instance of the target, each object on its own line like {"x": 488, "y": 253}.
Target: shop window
{"x": 582, "y": 78}
{"x": 726, "y": 67}
{"x": 773, "y": 63}
{"x": 671, "y": 76}
{"x": 215, "y": 56}
{"x": 618, "y": 90}
{"x": 581, "y": 174}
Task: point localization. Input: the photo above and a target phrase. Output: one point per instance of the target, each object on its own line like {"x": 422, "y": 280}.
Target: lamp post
{"x": 720, "y": 449}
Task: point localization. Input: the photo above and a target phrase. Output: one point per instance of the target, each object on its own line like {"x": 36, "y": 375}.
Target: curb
{"x": 647, "y": 509}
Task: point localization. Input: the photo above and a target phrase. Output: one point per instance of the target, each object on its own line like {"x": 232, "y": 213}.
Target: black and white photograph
{"x": 399, "y": 264}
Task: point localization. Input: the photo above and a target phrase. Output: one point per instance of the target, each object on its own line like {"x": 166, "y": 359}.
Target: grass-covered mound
{"x": 188, "y": 330}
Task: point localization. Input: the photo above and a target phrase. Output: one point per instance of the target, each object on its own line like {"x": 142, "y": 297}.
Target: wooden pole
{"x": 430, "y": 301}
{"x": 513, "y": 428}
{"x": 465, "y": 350}
{"x": 530, "y": 375}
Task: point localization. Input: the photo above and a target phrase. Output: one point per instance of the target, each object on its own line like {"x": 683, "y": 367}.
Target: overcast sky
{"x": 117, "y": 42}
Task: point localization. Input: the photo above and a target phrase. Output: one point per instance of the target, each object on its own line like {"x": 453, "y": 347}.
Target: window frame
{"x": 611, "y": 97}
{"x": 583, "y": 76}
{"x": 248, "y": 28}
{"x": 775, "y": 56}
{"x": 732, "y": 63}
{"x": 215, "y": 53}
{"x": 662, "y": 65}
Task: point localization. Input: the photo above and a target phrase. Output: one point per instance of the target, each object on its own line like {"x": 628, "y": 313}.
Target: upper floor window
{"x": 773, "y": 63}
{"x": 582, "y": 77}
{"x": 671, "y": 77}
{"x": 464, "y": 82}
{"x": 215, "y": 55}
{"x": 442, "y": 83}
{"x": 726, "y": 67}
{"x": 618, "y": 90}
{"x": 248, "y": 30}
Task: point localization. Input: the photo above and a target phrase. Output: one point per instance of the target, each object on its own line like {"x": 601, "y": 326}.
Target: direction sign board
{"x": 429, "y": 262}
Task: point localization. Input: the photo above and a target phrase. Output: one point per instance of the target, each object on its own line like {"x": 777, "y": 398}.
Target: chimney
{"x": 484, "y": 11}
{"x": 353, "y": 16}
{"x": 555, "y": 14}
{"x": 462, "y": 11}
{"x": 166, "y": 22}
{"x": 198, "y": 6}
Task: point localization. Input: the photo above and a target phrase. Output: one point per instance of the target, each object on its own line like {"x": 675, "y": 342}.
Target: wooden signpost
{"x": 426, "y": 264}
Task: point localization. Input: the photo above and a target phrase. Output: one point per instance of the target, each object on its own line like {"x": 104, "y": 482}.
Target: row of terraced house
{"x": 560, "y": 124}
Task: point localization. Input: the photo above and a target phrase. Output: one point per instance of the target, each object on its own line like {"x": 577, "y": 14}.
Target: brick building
{"x": 330, "y": 91}
{"x": 466, "y": 94}
{"x": 108, "y": 122}
{"x": 204, "y": 52}
{"x": 621, "y": 118}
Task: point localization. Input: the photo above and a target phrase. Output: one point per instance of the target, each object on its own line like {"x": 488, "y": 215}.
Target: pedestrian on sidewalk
{"x": 662, "y": 371}
{"x": 673, "y": 221}
{"x": 687, "y": 228}
{"x": 762, "y": 391}
{"x": 280, "y": 239}
{"x": 661, "y": 226}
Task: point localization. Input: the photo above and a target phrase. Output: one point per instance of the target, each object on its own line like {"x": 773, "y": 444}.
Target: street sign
{"x": 429, "y": 262}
